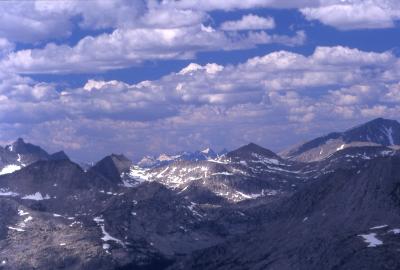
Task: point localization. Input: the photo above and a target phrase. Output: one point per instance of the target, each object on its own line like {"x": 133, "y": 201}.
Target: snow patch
{"x": 111, "y": 193}
{"x": 192, "y": 207}
{"x": 378, "y": 227}
{"x": 36, "y": 197}
{"x": 98, "y": 219}
{"x": 106, "y": 236}
{"x": 5, "y": 192}
{"x": 206, "y": 151}
{"x": 165, "y": 157}
{"x": 22, "y": 213}
{"x": 389, "y": 134}
{"x": 223, "y": 173}
{"x": 265, "y": 160}
{"x": 340, "y": 147}
{"x": 16, "y": 229}
{"x": 371, "y": 240}
{"x": 75, "y": 223}
{"x": 395, "y": 231}
{"x": 243, "y": 162}
{"x": 10, "y": 169}
{"x": 161, "y": 174}
{"x": 135, "y": 176}
{"x": 28, "y": 219}
{"x": 19, "y": 159}
{"x": 219, "y": 160}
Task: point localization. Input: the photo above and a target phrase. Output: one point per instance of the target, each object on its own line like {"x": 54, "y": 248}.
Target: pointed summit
{"x": 26, "y": 153}
{"x": 17, "y": 144}
{"x": 245, "y": 152}
{"x": 377, "y": 132}
{"x": 20, "y": 141}
{"x": 382, "y": 131}
{"x": 206, "y": 151}
{"x": 21, "y": 147}
{"x": 209, "y": 153}
{"x": 59, "y": 156}
{"x": 112, "y": 166}
{"x": 147, "y": 162}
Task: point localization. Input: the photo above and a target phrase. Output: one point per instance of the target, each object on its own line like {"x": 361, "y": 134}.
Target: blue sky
{"x": 143, "y": 77}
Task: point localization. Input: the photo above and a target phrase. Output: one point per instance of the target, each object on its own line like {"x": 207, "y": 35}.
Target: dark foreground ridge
{"x": 246, "y": 209}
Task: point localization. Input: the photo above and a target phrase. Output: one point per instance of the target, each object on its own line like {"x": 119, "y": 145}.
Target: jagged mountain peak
{"x": 164, "y": 159}
{"x": 19, "y": 143}
{"x": 147, "y": 162}
{"x": 49, "y": 179}
{"x": 20, "y": 154}
{"x": 167, "y": 157}
{"x": 208, "y": 151}
{"x": 202, "y": 205}
{"x": 21, "y": 147}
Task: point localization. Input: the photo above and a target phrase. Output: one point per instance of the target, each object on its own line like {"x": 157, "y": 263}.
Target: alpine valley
{"x": 330, "y": 203}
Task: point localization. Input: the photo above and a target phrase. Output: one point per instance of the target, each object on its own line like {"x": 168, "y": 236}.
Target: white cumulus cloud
{"x": 249, "y": 22}
{"x": 355, "y": 14}
{"x": 126, "y": 47}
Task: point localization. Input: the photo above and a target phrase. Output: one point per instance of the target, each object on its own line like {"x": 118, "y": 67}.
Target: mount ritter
{"x": 330, "y": 203}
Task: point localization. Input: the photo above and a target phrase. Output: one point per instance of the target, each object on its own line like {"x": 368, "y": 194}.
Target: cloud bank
{"x": 234, "y": 103}
{"x": 208, "y": 104}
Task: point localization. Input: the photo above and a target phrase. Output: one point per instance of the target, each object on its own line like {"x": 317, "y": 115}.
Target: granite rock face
{"x": 347, "y": 219}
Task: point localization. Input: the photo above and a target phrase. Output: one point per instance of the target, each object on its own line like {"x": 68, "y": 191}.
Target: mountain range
{"x": 164, "y": 159}
{"x": 330, "y": 203}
